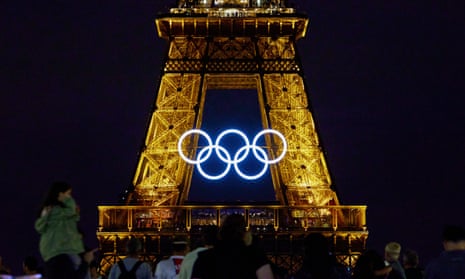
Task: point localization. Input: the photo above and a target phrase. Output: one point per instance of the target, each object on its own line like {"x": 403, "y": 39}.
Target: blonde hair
{"x": 393, "y": 249}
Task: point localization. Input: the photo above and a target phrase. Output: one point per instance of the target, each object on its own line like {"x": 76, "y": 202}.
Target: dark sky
{"x": 386, "y": 83}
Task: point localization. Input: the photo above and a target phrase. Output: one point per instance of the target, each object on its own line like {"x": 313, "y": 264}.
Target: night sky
{"x": 386, "y": 82}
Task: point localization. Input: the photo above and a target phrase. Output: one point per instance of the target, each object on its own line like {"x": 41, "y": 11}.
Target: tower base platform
{"x": 279, "y": 229}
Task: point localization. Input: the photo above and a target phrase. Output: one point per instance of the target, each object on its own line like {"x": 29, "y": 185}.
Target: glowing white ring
{"x": 223, "y": 154}
{"x": 221, "y": 175}
{"x": 250, "y": 177}
{"x": 237, "y": 132}
{"x": 194, "y": 131}
{"x": 280, "y": 157}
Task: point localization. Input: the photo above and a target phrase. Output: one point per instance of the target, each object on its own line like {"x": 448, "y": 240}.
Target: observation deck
{"x": 279, "y": 229}
{"x": 232, "y": 22}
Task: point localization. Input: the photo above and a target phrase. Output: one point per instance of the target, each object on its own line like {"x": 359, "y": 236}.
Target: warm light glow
{"x": 223, "y": 154}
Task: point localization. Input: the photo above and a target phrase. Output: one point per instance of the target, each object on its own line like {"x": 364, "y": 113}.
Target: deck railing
{"x": 262, "y": 218}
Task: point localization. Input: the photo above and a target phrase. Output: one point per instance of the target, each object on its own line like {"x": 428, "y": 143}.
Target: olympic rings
{"x": 223, "y": 154}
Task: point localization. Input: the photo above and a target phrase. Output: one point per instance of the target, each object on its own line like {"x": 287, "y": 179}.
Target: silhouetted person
{"x": 61, "y": 243}
{"x": 391, "y": 255}
{"x": 170, "y": 268}
{"x": 364, "y": 266}
{"x": 30, "y": 265}
{"x": 31, "y": 268}
{"x": 318, "y": 263}
{"x": 207, "y": 241}
{"x": 371, "y": 265}
{"x": 451, "y": 263}
{"x": 133, "y": 249}
{"x": 234, "y": 256}
{"x": 410, "y": 261}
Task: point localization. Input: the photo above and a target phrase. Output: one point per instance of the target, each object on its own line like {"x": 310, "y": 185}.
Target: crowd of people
{"x": 228, "y": 252}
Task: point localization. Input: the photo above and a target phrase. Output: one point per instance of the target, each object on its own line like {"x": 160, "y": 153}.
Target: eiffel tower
{"x": 216, "y": 46}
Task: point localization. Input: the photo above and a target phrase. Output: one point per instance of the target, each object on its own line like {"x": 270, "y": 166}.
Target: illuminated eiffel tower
{"x": 232, "y": 45}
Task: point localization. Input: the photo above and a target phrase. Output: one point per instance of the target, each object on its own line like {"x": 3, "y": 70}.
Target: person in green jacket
{"x": 61, "y": 242}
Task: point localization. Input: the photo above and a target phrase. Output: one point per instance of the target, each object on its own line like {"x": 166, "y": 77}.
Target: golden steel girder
{"x": 242, "y": 53}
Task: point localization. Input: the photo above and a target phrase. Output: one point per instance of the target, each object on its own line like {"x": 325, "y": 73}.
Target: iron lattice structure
{"x": 232, "y": 45}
